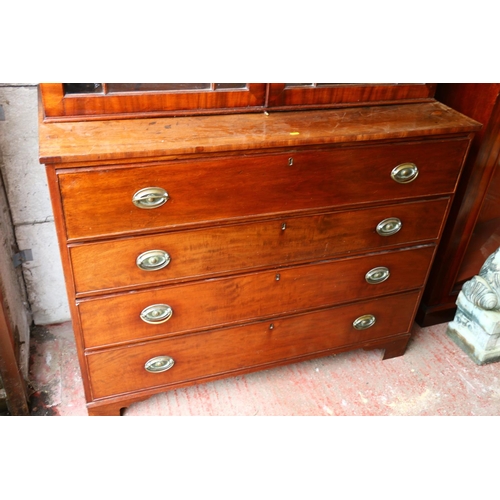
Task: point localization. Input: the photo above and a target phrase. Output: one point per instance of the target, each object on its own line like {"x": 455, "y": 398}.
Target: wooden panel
{"x": 221, "y": 301}
{"x": 282, "y": 95}
{"x": 222, "y": 250}
{"x": 485, "y": 238}
{"x": 99, "y": 202}
{"x": 480, "y": 101}
{"x": 117, "y": 371}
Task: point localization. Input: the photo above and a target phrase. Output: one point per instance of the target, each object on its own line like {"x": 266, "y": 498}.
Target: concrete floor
{"x": 434, "y": 377}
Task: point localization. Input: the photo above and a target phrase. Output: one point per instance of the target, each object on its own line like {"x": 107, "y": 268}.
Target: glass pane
{"x": 289, "y": 85}
{"x": 152, "y": 87}
{"x": 96, "y": 88}
{"x": 226, "y": 86}
{"x": 346, "y": 84}
{"x": 82, "y": 88}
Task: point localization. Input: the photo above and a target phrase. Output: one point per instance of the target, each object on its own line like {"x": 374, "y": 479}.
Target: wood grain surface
{"x": 120, "y": 370}
{"x": 112, "y": 140}
{"x": 273, "y": 293}
{"x": 111, "y": 265}
{"x": 99, "y": 202}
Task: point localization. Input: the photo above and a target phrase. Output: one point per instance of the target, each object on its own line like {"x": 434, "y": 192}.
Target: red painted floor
{"x": 434, "y": 377}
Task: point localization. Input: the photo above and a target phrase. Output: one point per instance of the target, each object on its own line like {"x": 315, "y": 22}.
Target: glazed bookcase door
{"x": 80, "y": 101}
{"x": 87, "y": 101}
{"x": 313, "y": 95}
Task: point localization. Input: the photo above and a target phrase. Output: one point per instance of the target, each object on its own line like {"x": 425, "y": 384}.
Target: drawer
{"x": 221, "y": 250}
{"x": 221, "y": 301}
{"x": 196, "y": 356}
{"x": 98, "y": 201}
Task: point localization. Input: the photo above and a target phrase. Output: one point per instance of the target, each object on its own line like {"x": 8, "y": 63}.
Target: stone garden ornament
{"x": 476, "y": 327}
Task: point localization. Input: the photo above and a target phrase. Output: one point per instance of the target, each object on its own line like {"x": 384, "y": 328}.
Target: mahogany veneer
{"x": 270, "y": 228}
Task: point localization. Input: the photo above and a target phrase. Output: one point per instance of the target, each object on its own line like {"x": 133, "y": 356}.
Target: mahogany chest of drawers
{"x": 202, "y": 247}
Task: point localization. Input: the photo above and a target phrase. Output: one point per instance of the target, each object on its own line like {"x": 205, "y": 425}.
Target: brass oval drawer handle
{"x": 156, "y": 314}
{"x": 153, "y": 260}
{"x": 150, "y": 197}
{"x": 159, "y": 364}
{"x": 364, "y": 322}
{"x": 377, "y": 275}
{"x": 389, "y": 226}
{"x": 405, "y": 173}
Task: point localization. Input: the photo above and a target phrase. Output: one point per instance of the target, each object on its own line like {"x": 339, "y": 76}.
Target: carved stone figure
{"x": 476, "y": 327}
{"x": 484, "y": 290}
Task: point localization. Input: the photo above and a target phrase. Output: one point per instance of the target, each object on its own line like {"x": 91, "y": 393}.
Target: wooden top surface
{"x": 112, "y": 140}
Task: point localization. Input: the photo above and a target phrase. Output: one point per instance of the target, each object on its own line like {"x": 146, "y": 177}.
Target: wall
{"x": 28, "y": 197}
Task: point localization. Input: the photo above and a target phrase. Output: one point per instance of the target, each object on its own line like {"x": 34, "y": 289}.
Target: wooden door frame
{"x": 12, "y": 379}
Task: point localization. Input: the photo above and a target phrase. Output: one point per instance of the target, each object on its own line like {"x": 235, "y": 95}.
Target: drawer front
{"x": 203, "y": 252}
{"x": 195, "y": 356}
{"x": 99, "y": 202}
{"x": 217, "y": 302}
